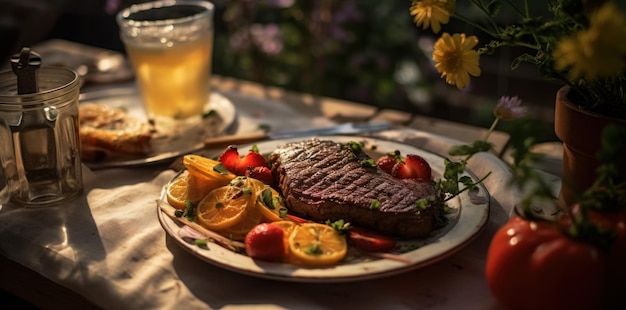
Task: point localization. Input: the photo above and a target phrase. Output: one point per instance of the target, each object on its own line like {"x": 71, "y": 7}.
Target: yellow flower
{"x": 432, "y": 13}
{"x": 455, "y": 58}
{"x": 597, "y": 52}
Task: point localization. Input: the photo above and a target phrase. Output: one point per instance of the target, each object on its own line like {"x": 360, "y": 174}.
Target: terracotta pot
{"x": 580, "y": 131}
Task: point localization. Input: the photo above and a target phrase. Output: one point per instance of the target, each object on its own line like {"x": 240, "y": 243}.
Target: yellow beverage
{"x": 169, "y": 44}
{"x": 174, "y": 80}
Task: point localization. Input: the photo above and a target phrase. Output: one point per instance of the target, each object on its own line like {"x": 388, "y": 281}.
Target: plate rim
{"x": 393, "y": 268}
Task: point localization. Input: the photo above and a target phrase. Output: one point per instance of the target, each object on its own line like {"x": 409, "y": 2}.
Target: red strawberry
{"x": 237, "y": 165}
{"x": 266, "y": 242}
{"x": 252, "y": 159}
{"x": 262, "y": 174}
{"x": 386, "y": 162}
{"x": 230, "y": 159}
{"x": 414, "y": 167}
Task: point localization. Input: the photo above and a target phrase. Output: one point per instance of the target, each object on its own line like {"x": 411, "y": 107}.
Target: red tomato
{"x": 371, "y": 241}
{"x": 614, "y": 221}
{"x": 297, "y": 219}
{"x": 532, "y": 265}
{"x": 265, "y": 242}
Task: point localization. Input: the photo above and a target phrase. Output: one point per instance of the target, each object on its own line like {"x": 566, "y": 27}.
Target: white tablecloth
{"x": 108, "y": 245}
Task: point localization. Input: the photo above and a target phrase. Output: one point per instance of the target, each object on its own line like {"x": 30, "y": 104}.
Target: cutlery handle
{"x": 224, "y": 141}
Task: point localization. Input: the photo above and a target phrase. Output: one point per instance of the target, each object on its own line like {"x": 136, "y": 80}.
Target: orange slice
{"x": 271, "y": 204}
{"x": 177, "y": 192}
{"x": 223, "y": 207}
{"x": 315, "y": 244}
{"x": 238, "y": 231}
{"x": 199, "y": 185}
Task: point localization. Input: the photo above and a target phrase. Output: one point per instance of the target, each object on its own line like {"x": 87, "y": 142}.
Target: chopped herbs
{"x": 313, "y": 250}
{"x": 201, "y": 242}
{"x": 368, "y": 163}
{"x": 189, "y": 212}
{"x": 422, "y": 203}
{"x": 375, "y": 205}
{"x": 247, "y": 190}
{"x": 266, "y": 199}
{"x": 282, "y": 212}
{"x": 339, "y": 225}
{"x": 354, "y": 146}
{"x": 221, "y": 169}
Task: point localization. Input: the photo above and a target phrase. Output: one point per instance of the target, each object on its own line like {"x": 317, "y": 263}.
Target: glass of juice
{"x": 170, "y": 45}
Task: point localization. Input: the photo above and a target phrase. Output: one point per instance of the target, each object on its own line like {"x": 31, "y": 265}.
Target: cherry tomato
{"x": 532, "y": 265}
{"x": 265, "y": 242}
{"x": 371, "y": 241}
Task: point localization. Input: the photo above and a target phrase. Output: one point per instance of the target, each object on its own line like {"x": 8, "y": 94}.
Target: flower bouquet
{"x": 581, "y": 43}
{"x": 573, "y": 259}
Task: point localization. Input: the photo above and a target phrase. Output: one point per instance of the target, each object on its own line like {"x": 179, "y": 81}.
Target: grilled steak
{"x": 325, "y": 180}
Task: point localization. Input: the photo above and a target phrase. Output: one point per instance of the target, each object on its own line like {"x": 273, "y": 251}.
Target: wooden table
{"x": 37, "y": 289}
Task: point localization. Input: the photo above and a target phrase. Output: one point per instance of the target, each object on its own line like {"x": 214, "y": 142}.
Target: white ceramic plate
{"x": 466, "y": 219}
{"x": 173, "y": 144}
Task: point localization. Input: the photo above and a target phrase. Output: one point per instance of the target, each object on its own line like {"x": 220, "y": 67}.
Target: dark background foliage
{"x": 367, "y": 51}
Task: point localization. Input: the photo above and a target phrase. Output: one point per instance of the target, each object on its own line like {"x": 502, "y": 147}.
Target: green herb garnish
{"x": 266, "y": 199}
{"x": 282, "y": 212}
{"x": 189, "y": 212}
{"x": 201, "y": 242}
{"x": 339, "y": 225}
{"x": 368, "y": 163}
{"x": 221, "y": 169}
{"x": 313, "y": 250}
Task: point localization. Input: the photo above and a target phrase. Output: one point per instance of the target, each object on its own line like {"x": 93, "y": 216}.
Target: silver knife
{"x": 342, "y": 129}
{"x": 224, "y": 141}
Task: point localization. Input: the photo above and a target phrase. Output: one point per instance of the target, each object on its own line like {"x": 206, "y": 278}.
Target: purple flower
{"x": 112, "y": 6}
{"x": 268, "y": 38}
{"x": 265, "y": 38}
{"x": 509, "y": 108}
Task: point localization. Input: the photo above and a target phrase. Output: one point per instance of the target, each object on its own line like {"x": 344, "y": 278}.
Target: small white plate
{"x": 164, "y": 146}
{"x": 466, "y": 219}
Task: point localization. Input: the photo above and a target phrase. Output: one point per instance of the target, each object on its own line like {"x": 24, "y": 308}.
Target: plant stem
{"x": 492, "y": 128}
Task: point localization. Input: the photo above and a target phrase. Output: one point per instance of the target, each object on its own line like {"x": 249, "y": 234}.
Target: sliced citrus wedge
{"x": 210, "y": 168}
{"x": 177, "y": 192}
{"x": 199, "y": 185}
{"x": 271, "y": 204}
{"x": 223, "y": 207}
{"x": 238, "y": 231}
{"x": 315, "y": 244}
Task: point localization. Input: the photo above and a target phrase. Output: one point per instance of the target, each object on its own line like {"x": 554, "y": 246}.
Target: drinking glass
{"x": 39, "y": 139}
{"x": 170, "y": 45}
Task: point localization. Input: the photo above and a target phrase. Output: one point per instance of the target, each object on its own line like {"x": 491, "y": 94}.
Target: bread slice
{"x": 107, "y": 131}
